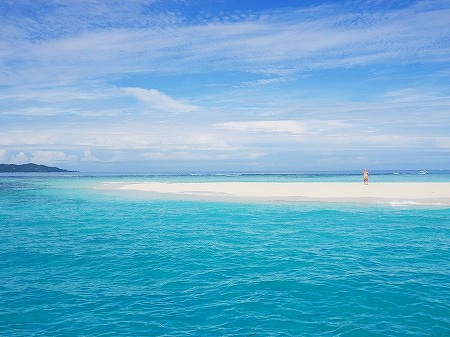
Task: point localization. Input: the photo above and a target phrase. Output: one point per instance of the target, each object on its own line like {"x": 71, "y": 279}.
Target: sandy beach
{"x": 431, "y": 193}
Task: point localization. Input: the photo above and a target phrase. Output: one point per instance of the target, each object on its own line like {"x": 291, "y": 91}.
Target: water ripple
{"x": 89, "y": 265}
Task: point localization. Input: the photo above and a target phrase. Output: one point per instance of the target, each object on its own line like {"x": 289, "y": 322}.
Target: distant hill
{"x": 30, "y": 168}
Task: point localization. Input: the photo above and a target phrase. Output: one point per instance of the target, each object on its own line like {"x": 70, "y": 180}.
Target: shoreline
{"x": 421, "y": 193}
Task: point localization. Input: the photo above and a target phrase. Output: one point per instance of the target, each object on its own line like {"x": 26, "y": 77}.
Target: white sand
{"x": 401, "y": 193}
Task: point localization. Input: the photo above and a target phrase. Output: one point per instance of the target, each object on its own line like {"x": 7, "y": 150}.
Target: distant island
{"x": 30, "y": 168}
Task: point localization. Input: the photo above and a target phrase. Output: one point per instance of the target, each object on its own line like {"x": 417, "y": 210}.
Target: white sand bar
{"x": 408, "y": 193}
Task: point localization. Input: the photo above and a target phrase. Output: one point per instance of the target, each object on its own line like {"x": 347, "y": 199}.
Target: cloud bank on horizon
{"x": 180, "y": 85}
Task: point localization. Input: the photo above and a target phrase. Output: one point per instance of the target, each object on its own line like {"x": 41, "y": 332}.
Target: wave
{"x": 403, "y": 203}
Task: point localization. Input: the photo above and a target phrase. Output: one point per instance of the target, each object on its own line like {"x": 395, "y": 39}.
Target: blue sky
{"x": 194, "y": 86}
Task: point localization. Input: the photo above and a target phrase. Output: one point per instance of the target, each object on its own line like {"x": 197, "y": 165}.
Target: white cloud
{"x": 160, "y": 101}
{"x": 88, "y": 156}
{"x": 265, "y": 81}
{"x": 408, "y": 95}
{"x": 29, "y": 136}
{"x": 20, "y": 158}
{"x": 320, "y": 37}
{"x": 284, "y": 126}
{"x": 3, "y": 155}
{"x": 210, "y": 142}
{"x": 50, "y": 157}
{"x": 181, "y": 155}
{"x": 370, "y": 141}
{"x": 443, "y": 142}
{"x": 256, "y": 155}
{"x": 288, "y": 127}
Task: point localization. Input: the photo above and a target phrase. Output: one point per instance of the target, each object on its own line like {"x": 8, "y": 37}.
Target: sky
{"x": 168, "y": 86}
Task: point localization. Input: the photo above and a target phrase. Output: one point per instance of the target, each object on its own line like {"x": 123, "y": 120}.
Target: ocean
{"x": 80, "y": 261}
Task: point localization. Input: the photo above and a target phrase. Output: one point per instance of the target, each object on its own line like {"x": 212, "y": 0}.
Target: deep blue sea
{"x": 79, "y": 261}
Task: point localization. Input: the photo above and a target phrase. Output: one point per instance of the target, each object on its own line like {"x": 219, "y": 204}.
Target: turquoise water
{"x": 76, "y": 261}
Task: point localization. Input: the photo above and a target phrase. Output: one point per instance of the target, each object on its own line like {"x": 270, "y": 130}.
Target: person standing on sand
{"x": 366, "y": 176}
